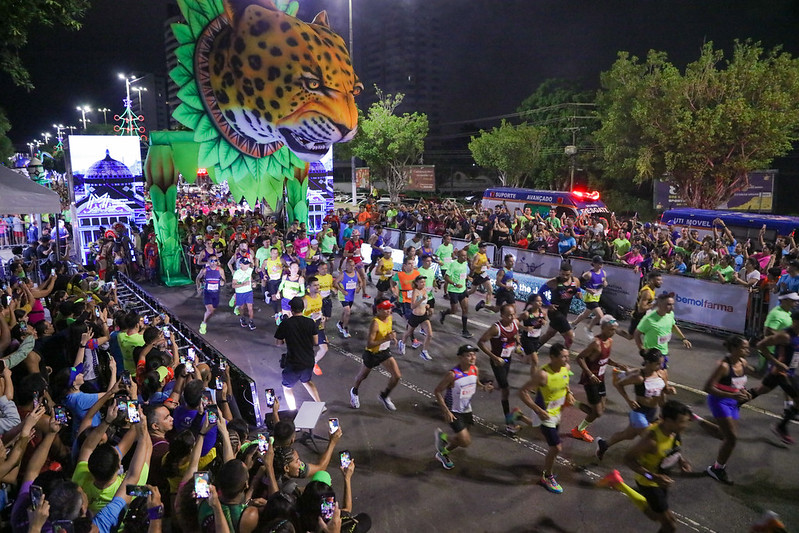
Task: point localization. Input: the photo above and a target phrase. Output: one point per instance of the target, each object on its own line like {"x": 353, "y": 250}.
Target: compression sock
{"x": 582, "y": 426}
{"x": 718, "y": 466}
{"x": 506, "y": 408}
{"x": 464, "y": 321}
{"x": 635, "y": 496}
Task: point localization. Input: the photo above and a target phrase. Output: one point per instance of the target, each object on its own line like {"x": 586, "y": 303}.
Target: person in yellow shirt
{"x": 479, "y": 266}
{"x": 378, "y": 352}
{"x": 313, "y": 310}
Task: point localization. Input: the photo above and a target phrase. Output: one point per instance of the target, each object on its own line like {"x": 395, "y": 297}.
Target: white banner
{"x": 708, "y": 303}
{"x": 533, "y": 263}
{"x": 623, "y": 283}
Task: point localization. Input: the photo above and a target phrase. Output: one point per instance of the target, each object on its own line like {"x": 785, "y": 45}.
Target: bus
{"x": 743, "y": 225}
{"x": 573, "y": 203}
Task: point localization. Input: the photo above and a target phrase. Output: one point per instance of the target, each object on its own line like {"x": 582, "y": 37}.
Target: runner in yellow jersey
{"x": 273, "y": 270}
{"x": 326, "y": 288}
{"x": 378, "y": 352}
{"x": 313, "y": 310}
{"x": 479, "y": 266}
{"x": 550, "y": 387}
{"x": 385, "y": 269}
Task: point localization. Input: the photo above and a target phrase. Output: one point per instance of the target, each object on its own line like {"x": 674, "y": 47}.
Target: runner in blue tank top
{"x": 348, "y": 284}
{"x": 505, "y": 286}
{"x": 593, "y": 282}
{"x": 212, "y": 277}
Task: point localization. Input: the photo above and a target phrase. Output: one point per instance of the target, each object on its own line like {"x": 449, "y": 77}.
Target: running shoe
{"x": 203, "y": 328}
{"x": 441, "y": 441}
{"x": 243, "y": 322}
{"x": 602, "y": 446}
{"x": 514, "y": 416}
{"x": 387, "y": 403}
{"x": 421, "y": 332}
{"x": 782, "y": 434}
{"x": 340, "y": 328}
{"x": 581, "y": 435}
{"x": 317, "y": 370}
{"x": 236, "y": 311}
{"x": 612, "y": 480}
{"x": 480, "y": 305}
{"x": 347, "y": 333}
{"x": 443, "y": 316}
{"x": 367, "y": 297}
{"x": 251, "y": 326}
{"x": 550, "y": 484}
{"x": 512, "y": 429}
{"x": 416, "y": 344}
{"x": 279, "y": 319}
{"x": 466, "y": 335}
{"x": 355, "y": 402}
{"x": 425, "y": 355}
{"x": 401, "y": 347}
{"x": 719, "y": 474}
{"x": 445, "y": 461}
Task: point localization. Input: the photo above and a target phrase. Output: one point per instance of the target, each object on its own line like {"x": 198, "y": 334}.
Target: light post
{"x": 30, "y": 148}
{"x": 571, "y": 151}
{"x": 352, "y": 159}
{"x": 104, "y": 110}
{"x": 139, "y": 90}
{"x": 71, "y": 129}
{"x": 83, "y": 110}
{"x": 46, "y": 137}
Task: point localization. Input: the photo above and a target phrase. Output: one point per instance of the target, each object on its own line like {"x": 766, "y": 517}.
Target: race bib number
{"x": 554, "y": 404}
{"x": 303, "y": 249}
{"x": 507, "y": 350}
{"x": 467, "y": 391}
{"x": 601, "y": 371}
{"x": 384, "y": 346}
{"x": 653, "y": 388}
{"x": 795, "y": 361}
{"x": 446, "y": 260}
{"x": 212, "y": 288}
{"x": 664, "y": 339}
{"x": 351, "y": 285}
{"x": 739, "y": 382}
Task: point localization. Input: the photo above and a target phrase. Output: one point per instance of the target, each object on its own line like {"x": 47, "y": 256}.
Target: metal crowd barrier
{"x": 245, "y": 394}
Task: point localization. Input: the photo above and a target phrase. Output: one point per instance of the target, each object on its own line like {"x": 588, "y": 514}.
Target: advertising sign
{"x": 714, "y": 305}
{"x": 757, "y": 197}
{"x": 362, "y": 177}
{"x": 623, "y": 283}
{"x": 421, "y": 178}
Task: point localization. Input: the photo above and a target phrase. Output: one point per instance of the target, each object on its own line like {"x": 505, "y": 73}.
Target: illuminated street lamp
{"x": 129, "y": 121}
{"x": 104, "y": 110}
{"x": 139, "y": 90}
{"x": 46, "y": 137}
{"x": 83, "y": 110}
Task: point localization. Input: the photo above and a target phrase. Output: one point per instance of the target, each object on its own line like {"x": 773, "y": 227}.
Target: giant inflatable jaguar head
{"x": 269, "y": 79}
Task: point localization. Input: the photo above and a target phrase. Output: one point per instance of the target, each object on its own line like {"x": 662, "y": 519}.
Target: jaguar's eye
{"x": 357, "y": 90}
{"x": 313, "y": 85}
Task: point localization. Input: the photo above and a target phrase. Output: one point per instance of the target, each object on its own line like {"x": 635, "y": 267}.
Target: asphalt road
{"x": 493, "y": 486}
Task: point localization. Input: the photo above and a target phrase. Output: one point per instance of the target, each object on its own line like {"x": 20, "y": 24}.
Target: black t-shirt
{"x": 298, "y": 332}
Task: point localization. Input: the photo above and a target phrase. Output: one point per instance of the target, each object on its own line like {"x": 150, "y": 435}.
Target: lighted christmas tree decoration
{"x": 129, "y": 121}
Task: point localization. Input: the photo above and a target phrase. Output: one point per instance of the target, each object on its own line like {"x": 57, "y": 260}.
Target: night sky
{"x": 494, "y": 53}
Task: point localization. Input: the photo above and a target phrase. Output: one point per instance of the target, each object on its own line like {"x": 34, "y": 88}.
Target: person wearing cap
{"x": 778, "y": 319}
{"x": 593, "y": 282}
{"x": 273, "y": 271}
{"x": 558, "y": 293}
{"x": 454, "y": 396}
{"x": 242, "y": 286}
{"x": 505, "y": 287}
{"x": 292, "y": 285}
{"x": 242, "y": 252}
{"x": 313, "y": 258}
{"x": 378, "y": 352}
{"x": 656, "y": 328}
{"x": 782, "y": 372}
{"x": 376, "y": 241}
{"x": 594, "y": 360}
{"x": 418, "y": 316}
{"x": 328, "y": 244}
{"x": 479, "y": 269}
{"x": 385, "y": 270}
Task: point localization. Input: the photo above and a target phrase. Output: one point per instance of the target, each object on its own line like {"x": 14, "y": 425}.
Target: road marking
{"x": 526, "y": 443}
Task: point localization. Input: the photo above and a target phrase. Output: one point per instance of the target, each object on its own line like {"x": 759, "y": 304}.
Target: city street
{"x": 493, "y": 486}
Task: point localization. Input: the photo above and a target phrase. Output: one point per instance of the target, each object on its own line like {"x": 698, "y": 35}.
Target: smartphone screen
{"x": 114, "y": 284}
{"x": 146, "y": 320}
{"x": 207, "y": 399}
{"x": 35, "y": 400}
{"x": 60, "y": 414}
{"x": 189, "y": 367}
{"x": 125, "y": 377}
{"x": 332, "y": 424}
{"x": 37, "y": 496}
{"x": 133, "y": 411}
{"x": 270, "y": 397}
{"x": 52, "y": 272}
{"x": 346, "y": 458}
{"x": 137, "y": 490}
{"x": 218, "y": 383}
{"x": 63, "y": 526}
{"x": 222, "y": 366}
{"x": 263, "y": 443}
{"x": 191, "y": 354}
{"x": 167, "y": 333}
{"x": 202, "y": 485}
{"x": 23, "y": 327}
{"x": 327, "y": 508}
{"x": 96, "y": 311}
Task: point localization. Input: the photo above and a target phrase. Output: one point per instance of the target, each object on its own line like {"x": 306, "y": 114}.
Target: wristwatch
{"x": 155, "y": 513}
{"x": 649, "y": 476}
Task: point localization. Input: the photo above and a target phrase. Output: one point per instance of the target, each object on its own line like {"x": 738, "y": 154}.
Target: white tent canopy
{"x": 18, "y": 194}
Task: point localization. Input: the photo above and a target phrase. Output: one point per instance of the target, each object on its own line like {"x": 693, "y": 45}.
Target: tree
{"x": 565, "y": 112}
{"x": 6, "y": 146}
{"x": 514, "y": 151}
{"x": 19, "y": 18}
{"x": 389, "y": 143}
{"x": 706, "y": 127}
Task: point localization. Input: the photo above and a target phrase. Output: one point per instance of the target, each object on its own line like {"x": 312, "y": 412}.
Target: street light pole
{"x": 104, "y": 110}
{"x": 83, "y": 110}
{"x": 352, "y": 159}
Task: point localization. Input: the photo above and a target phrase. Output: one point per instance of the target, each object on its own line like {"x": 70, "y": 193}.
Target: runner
{"x": 242, "y": 251}
{"x": 651, "y": 458}
{"x": 402, "y": 289}
{"x": 651, "y": 384}
{"x": 385, "y": 270}
{"x": 655, "y": 329}
{"x": 444, "y": 256}
{"x": 292, "y": 285}
{"x": 454, "y": 396}
{"x": 784, "y": 362}
{"x": 376, "y": 241}
{"x": 593, "y": 360}
{"x": 326, "y": 288}
{"x": 273, "y": 268}
{"x": 352, "y": 250}
{"x": 532, "y": 320}
{"x": 456, "y": 278}
{"x": 646, "y": 299}
{"x": 593, "y": 281}
{"x": 347, "y": 283}
{"x": 499, "y": 342}
{"x": 479, "y": 267}
{"x": 726, "y": 389}
{"x": 242, "y": 285}
{"x": 432, "y": 274}
{"x": 505, "y": 287}
{"x": 212, "y": 277}
{"x": 557, "y": 294}
{"x": 377, "y": 352}
{"x": 313, "y": 310}
{"x": 418, "y": 317}
{"x": 550, "y": 388}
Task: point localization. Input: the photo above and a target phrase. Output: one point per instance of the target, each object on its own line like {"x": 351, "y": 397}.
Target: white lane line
{"x": 526, "y": 443}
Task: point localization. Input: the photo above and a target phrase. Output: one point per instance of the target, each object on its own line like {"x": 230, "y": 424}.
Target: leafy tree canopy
{"x": 6, "y": 147}
{"x": 706, "y": 127}
{"x": 513, "y": 151}
{"x": 19, "y": 18}
{"x": 388, "y": 142}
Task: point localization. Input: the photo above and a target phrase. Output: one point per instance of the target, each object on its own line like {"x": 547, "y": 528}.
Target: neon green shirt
{"x": 457, "y": 272}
